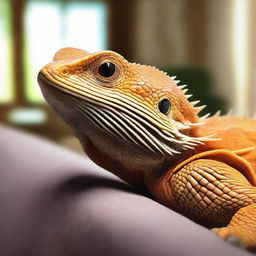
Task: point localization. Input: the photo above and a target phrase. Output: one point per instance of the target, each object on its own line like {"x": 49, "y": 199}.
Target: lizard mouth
{"x": 43, "y": 81}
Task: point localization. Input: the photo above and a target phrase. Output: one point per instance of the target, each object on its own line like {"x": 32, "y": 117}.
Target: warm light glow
{"x": 85, "y": 26}
{"x": 6, "y": 82}
{"x": 27, "y": 116}
{"x": 240, "y": 53}
{"x": 42, "y": 33}
{"x": 51, "y": 25}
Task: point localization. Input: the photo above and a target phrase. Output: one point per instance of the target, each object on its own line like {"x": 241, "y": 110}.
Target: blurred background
{"x": 209, "y": 44}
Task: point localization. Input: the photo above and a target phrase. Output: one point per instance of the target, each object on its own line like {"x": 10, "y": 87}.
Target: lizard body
{"x": 135, "y": 121}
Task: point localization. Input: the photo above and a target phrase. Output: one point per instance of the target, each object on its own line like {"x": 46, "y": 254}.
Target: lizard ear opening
{"x": 70, "y": 53}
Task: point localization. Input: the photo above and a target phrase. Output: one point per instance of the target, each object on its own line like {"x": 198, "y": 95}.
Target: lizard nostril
{"x": 64, "y": 71}
{"x": 107, "y": 69}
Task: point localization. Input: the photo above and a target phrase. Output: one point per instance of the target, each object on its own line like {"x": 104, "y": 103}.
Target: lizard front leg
{"x": 242, "y": 225}
{"x": 215, "y": 194}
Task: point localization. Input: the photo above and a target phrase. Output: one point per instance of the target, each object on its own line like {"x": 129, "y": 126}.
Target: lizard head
{"x": 123, "y": 113}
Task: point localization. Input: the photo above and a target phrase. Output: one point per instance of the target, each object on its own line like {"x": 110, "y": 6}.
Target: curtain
{"x": 219, "y": 36}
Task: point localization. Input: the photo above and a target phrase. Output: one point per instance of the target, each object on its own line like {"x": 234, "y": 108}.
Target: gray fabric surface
{"x": 54, "y": 202}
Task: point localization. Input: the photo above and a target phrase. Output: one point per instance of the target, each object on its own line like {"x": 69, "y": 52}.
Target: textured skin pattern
{"x": 242, "y": 225}
{"x": 210, "y": 191}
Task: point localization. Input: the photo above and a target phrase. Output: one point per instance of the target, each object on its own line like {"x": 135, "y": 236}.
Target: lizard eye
{"x": 164, "y": 106}
{"x": 106, "y": 69}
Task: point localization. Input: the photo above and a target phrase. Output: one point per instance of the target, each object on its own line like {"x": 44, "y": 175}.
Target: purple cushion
{"x": 55, "y": 202}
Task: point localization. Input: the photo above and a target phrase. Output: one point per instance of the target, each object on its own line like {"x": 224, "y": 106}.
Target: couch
{"x": 56, "y": 202}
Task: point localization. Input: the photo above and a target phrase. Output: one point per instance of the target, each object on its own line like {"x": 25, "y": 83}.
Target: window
{"x": 48, "y": 26}
{"x": 6, "y": 83}
{"x": 240, "y": 55}
{"x": 51, "y": 25}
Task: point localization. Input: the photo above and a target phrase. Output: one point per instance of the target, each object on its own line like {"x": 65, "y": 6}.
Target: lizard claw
{"x": 229, "y": 237}
{"x": 236, "y": 241}
{"x": 242, "y": 226}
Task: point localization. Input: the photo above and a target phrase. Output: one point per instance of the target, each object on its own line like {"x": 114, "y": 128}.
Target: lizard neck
{"x": 157, "y": 182}
{"x": 128, "y": 161}
{"x": 122, "y": 159}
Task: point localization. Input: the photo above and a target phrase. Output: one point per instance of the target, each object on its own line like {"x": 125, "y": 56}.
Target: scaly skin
{"x": 134, "y": 121}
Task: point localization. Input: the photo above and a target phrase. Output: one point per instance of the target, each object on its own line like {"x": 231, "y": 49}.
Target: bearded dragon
{"x": 136, "y": 122}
